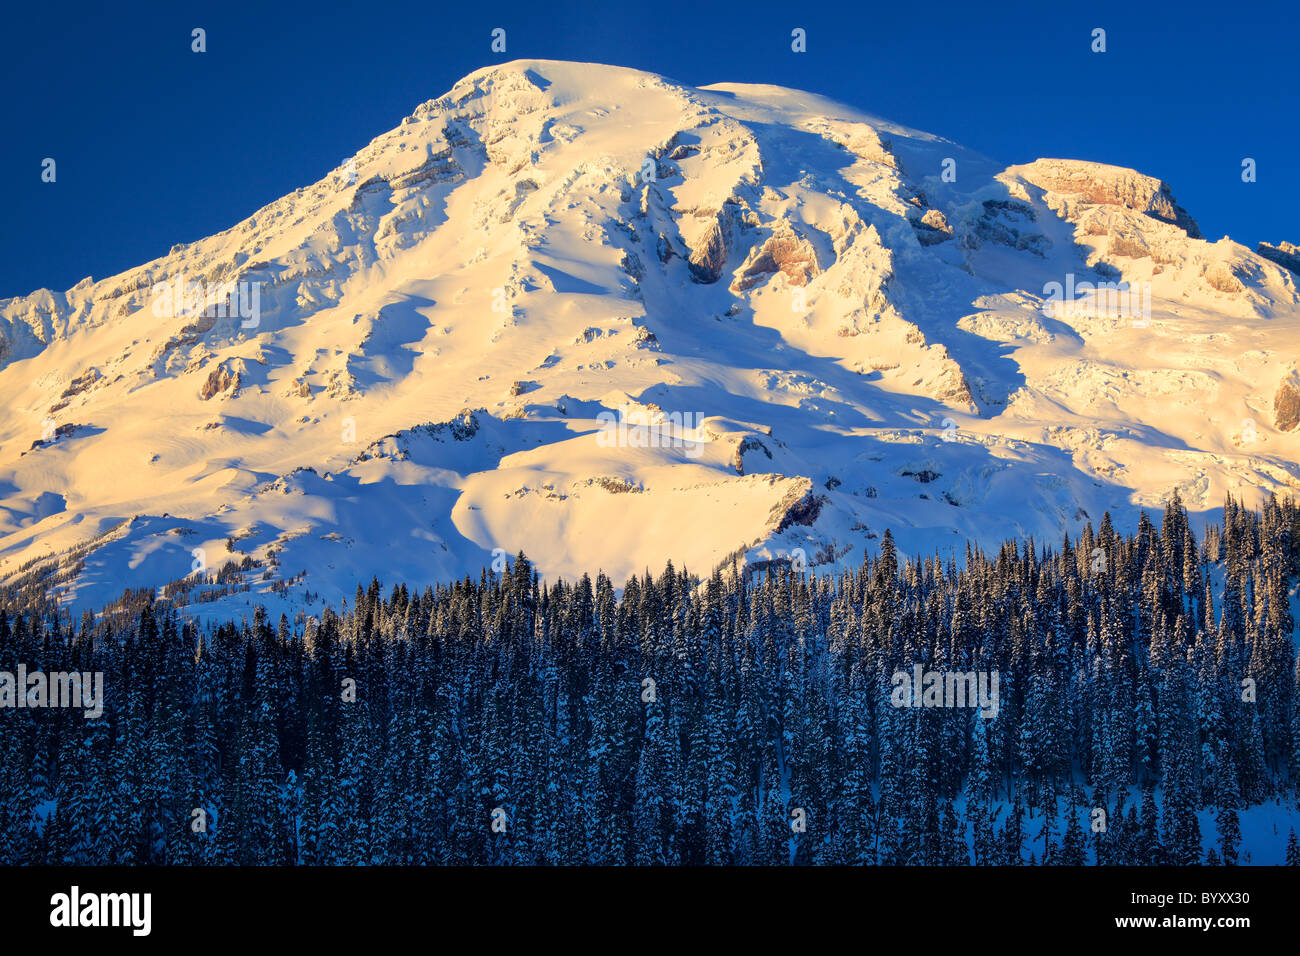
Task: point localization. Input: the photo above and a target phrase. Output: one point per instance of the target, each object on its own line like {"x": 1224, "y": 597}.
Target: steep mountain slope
{"x": 856, "y": 325}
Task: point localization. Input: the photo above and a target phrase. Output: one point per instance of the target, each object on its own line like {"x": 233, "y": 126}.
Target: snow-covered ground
{"x": 857, "y": 322}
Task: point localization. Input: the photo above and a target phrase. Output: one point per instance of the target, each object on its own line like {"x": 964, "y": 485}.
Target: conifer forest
{"x": 1146, "y": 683}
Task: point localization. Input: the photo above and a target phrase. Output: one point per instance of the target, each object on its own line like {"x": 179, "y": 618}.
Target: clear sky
{"x": 157, "y": 145}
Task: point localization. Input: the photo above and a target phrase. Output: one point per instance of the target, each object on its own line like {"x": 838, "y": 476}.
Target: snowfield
{"x": 857, "y": 322}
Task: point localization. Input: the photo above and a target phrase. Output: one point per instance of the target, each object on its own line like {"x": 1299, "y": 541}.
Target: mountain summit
{"x": 607, "y": 319}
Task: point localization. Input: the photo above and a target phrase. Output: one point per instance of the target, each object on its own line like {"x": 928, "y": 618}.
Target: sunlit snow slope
{"x": 443, "y": 318}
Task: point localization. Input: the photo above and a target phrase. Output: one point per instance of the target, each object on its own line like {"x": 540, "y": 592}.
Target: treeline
{"x": 1142, "y": 678}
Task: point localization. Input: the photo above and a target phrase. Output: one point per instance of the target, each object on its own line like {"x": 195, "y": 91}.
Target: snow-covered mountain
{"x": 850, "y": 325}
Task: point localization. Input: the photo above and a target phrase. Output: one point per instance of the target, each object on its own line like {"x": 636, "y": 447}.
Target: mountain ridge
{"x": 856, "y": 314}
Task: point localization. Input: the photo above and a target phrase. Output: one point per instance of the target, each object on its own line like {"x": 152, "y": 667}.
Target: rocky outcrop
{"x": 439, "y": 166}
{"x": 749, "y": 443}
{"x": 932, "y": 228}
{"x": 722, "y": 228}
{"x": 663, "y": 248}
{"x": 219, "y": 380}
{"x": 79, "y": 386}
{"x": 63, "y": 431}
{"x": 783, "y": 252}
{"x": 461, "y": 428}
{"x": 1129, "y": 247}
{"x": 1285, "y": 254}
{"x": 1286, "y": 403}
{"x": 1075, "y": 185}
{"x": 709, "y": 257}
{"x": 1008, "y": 222}
{"x": 190, "y": 335}
{"x": 801, "y": 506}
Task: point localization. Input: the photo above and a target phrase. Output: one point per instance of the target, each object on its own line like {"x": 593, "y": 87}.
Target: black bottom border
{"x": 333, "y": 905}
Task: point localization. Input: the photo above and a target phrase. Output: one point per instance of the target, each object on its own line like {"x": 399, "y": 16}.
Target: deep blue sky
{"x": 156, "y": 145}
